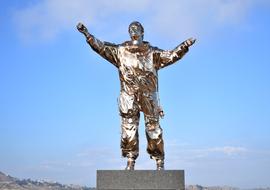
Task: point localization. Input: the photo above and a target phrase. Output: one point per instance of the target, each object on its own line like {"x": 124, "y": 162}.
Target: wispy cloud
{"x": 178, "y": 154}
{"x": 185, "y": 154}
{"x": 48, "y": 18}
{"x": 77, "y": 168}
{"x": 228, "y": 150}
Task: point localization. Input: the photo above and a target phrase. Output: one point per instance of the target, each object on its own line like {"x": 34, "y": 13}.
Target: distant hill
{"x": 6, "y": 178}
{"x": 199, "y": 187}
{"x": 11, "y": 183}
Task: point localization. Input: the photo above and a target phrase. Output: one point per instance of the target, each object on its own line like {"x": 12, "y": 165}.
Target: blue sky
{"x": 58, "y": 111}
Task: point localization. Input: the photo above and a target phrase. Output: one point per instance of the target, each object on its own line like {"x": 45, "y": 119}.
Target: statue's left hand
{"x": 189, "y": 42}
{"x": 82, "y": 29}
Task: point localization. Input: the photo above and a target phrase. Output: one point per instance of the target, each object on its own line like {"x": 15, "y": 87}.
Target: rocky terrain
{"x": 11, "y": 183}
{"x": 199, "y": 187}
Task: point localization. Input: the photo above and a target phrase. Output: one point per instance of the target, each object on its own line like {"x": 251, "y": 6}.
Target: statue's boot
{"x": 160, "y": 164}
{"x": 130, "y": 164}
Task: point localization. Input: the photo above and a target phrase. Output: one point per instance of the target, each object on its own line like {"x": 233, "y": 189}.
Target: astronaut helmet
{"x": 136, "y": 31}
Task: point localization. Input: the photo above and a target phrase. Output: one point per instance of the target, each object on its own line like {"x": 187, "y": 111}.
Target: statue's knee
{"x": 153, "y": 130}
{"x": 129, "y": 127}
{"x": 151, "y": 126}
{"x": 130, "y": 119}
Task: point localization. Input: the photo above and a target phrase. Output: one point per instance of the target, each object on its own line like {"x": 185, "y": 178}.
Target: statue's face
{"x": 136, "y": 31}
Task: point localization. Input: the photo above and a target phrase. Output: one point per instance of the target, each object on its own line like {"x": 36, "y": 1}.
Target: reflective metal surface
{"x": 138, "y": 63}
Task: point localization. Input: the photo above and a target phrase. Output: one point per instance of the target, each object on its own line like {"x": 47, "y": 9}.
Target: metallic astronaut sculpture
{"x": 138, "y": 63}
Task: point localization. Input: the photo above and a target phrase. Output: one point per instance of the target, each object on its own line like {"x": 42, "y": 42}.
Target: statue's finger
{"x": 190, "y": 39}
{"x": 79, "y": 25}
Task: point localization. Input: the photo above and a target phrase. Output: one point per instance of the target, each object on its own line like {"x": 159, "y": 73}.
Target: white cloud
{"x": 48, "y": 18}
{"x": 77, "y": 168}
{"x": 193, "y": 156}
{"x": 228, "y": 150}
{"x": 188, "y": 153}
{"x": 196, "y": 17}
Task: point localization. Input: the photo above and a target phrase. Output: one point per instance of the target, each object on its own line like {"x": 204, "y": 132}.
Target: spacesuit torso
{"x": 138, "y": 78}
{"x": 138, "y": 67}
{"x": 137, "y": 70}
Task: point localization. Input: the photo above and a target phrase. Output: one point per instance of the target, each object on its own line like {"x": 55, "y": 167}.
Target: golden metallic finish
{"x": 138, "y": 63}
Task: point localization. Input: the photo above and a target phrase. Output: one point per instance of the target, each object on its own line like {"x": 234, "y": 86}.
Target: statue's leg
{"x": 155, "y": 146}
{"x": 130, "y": 116}
{"x": 129, "y": 136}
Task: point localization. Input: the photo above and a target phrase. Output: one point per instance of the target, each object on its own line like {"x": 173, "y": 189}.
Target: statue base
{"x": 140, "y": 179}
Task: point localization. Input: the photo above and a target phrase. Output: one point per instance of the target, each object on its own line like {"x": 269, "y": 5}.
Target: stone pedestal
{"x": 140, "y": 179}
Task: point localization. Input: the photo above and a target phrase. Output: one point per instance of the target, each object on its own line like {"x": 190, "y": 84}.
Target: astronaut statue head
{"x": 136, "y": 32}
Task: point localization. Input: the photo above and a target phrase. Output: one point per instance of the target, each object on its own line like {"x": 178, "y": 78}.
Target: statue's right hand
{"x": 189, "y": 42}
{"x": 82, "y": 28}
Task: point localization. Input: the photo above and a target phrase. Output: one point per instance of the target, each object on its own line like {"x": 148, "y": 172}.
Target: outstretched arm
{"x": 105, "y": 49}
{"x": 166, "y": 58}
